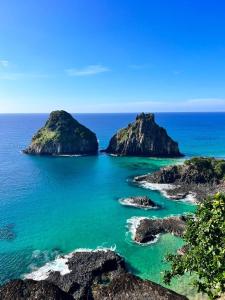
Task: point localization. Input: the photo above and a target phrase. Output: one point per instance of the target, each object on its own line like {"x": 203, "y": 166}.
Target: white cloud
{"x": 19, "y": 76}
{"x": 4, "y": 63}
{"x": 87, "y": 71}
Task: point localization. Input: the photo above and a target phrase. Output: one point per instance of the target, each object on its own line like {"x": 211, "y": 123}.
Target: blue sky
{"x": 112, "y": 55}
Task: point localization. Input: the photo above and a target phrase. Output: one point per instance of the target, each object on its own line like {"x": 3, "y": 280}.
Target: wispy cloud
{"x": 20, "y": 76}
{"x": 88, "y": 70}
{"x": 4, "y": 63}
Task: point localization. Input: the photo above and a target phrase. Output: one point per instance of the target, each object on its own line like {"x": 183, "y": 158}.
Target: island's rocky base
{"x": 146, "y": 230}
{"x": 143, "y": 138}
{"x": 94, "y": 275}
{"x": 142, "y": 202}
{"x": 196, "y": 179}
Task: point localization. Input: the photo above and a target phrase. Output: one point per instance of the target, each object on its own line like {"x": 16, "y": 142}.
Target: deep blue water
{"x": 55, "y": 205}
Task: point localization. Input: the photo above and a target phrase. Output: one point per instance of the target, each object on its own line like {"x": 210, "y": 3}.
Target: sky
{"x": 112, "y": 56}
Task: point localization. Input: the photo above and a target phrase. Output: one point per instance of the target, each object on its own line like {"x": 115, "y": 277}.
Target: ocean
{"x": 54, "y": 205}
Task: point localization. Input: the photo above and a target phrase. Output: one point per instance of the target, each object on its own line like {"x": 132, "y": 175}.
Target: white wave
{"x": 60, "y": 264}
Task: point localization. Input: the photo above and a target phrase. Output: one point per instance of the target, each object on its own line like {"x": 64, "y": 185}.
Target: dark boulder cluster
{"x": 198, "y": 176}
{"x": 139, "y": 202}
{"x": 94, "y": 275}
{"x": 148, "y": 229}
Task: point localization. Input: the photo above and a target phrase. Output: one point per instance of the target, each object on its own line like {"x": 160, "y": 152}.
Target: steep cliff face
{"x": 63, "y": 135}
{"x": 143, "y": 138}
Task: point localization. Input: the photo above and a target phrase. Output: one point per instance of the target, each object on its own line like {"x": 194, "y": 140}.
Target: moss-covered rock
{"x": 63, "y": 135}
{"x": 143, "y": 138}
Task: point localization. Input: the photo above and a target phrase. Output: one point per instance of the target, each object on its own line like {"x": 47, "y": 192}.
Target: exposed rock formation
{"x": 95, "y": 275}
{"x": 30, "y": 290}
{"x": 140, "y": 202}
{"x": 196, "y": 178}
{"x": 148, "y": 229}
{"x": 63, "y": 135}
{"x": 143, "y": 138}
{"x": 130, "y": 287}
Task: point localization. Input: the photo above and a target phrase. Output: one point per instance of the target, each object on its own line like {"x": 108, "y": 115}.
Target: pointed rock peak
{"x": 146, "y": 117}
{"x": 143, "y": 137}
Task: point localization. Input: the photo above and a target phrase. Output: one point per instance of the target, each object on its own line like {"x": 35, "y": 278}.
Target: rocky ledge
{"x": 196, "y": 179}
{"x": 63, "y": 135}
{"x": 143, "y": 202}
{"x": 147, "y": 229}
{"x": 143, "y": 138}
{"x": 94, "y": 275}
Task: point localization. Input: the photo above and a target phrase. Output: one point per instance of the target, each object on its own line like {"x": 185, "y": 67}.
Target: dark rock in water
{"x": 139, "y": 202}
{"x": 130, "y": 287}
{"x": 7, "y": 232}
{"x": 30, "y": 290}
{"x": 87, "y": 268}
{"x": 198, "y": 177}
{"x": 148, "y": 229}
{"x": 143, "y": 138}
{"x": 95, "y": 275}
{"x": 63, "y": 135}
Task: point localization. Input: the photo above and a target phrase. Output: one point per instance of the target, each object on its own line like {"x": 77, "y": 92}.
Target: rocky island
{"x": 146, "y": 230}
{"x": 195, "y": 179}
{"x": 143, "y": 202}
{"x": 143, "y": 138}
{"x": 91, "y": 275}
{"x": 63, "y": 135}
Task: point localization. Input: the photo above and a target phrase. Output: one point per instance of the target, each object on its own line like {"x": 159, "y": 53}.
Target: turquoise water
{"x": 59, "y": 204}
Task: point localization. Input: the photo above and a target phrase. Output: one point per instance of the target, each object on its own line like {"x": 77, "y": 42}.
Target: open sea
{"x": 54, "y": 205}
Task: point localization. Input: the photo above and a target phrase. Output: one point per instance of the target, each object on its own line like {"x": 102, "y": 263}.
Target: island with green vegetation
{"x": 63, "y": 135}
{"x": 195, "y": 179}
{"x": 143, "y": 137}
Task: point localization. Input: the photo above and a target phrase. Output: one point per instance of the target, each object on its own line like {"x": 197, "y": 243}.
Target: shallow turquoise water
{"x": 60, "y": 204}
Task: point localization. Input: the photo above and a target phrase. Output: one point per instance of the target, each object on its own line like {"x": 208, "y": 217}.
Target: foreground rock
{"x": 194, "y": 180}
{"x": 95, "y": 275}
{"x": 130, "y": 287}
{"x": 63, "y": 135}
{"x": 140, "y": 202}
{"x": 30, "y": 290}
{"x": 148, "y": 229}
{"x": 143, "y": 138}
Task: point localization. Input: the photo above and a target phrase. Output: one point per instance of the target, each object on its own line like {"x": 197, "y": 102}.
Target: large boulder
{"x": 91, "y": 275}
{"x": 143, "y": 138}
{"x": 63, "y": 135}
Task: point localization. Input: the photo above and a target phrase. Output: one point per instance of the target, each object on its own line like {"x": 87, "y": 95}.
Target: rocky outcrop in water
{"x": 63, "y": 135}
{"x": 143, "y": 202}
{"x": 148, "y": 229}
{"x": 197, "y": 177}
{"x": 95, "y": 275}
{"x": 143, "y": 138}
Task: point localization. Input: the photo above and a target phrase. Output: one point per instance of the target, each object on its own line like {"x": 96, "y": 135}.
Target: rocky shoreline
{"x": 146, "y": 230}
{"x": 196, "y": 179}
{"x": 94, "y": 275}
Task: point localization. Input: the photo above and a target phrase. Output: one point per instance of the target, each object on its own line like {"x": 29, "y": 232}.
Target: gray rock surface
{"x": 143, "y": 138}
{"x": 95, "y": 275}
